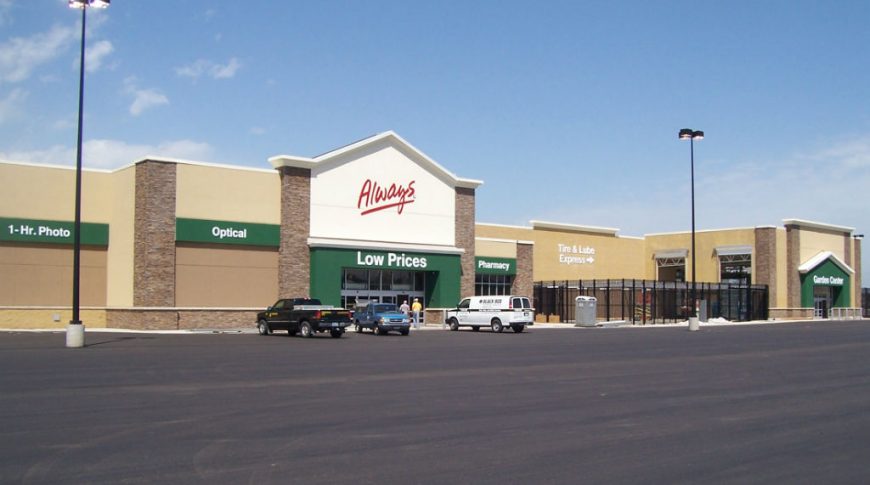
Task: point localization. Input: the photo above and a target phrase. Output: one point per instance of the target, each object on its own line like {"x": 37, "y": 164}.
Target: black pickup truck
{"x": 304, "y": 316}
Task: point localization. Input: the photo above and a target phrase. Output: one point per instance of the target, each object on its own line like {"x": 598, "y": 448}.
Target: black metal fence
{"x": 865, "y": 302}
{"x": 644, "y": 302}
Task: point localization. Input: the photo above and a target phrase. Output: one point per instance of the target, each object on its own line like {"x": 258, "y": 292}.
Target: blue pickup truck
{"x": 381, "y": 318}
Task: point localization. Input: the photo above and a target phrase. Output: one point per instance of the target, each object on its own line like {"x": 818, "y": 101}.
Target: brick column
{"x": 523, "y": 281}
{"x": 765, "y": 260}
{"x": 857, "y": 276}
{"x": 465, "y": 237}
{"x": 154, "y": 235}
{"x": 294, "y": 257}
{"x": 793, "y": 255}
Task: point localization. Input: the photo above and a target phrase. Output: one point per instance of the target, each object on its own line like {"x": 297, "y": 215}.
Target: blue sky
{"x": 567, "y": 110}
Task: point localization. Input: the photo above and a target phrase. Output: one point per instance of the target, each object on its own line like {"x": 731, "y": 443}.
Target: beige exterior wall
{"x": 614, "y": 257}
{"x": 495, "y": 248}
{"x": 706, "y": 243}
{"x": 781, "y": 297}
{"x": 119, "y": 262}
{"x": 228, "y": 194}
{"x": 225, "y": 277}
{"x": 50, "y": 318}
{"x": 814, "y": 241}
{"x": 45, "y": 192}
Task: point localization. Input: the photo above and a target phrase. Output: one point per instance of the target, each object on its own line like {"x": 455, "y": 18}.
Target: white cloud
{"x": 143, "y": 99}
{"x": 10, "y": 106}
{"x": 94, "y": 55}
{"x": 203, "y": 67}
{"x": 113, "y": 153}
{"x": 5, "y": 7}
{"x": 20, "y": 56}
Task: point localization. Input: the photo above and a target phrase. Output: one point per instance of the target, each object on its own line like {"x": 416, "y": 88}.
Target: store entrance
{"x": 382, "y": 286}
{"x": 822, "y": 300}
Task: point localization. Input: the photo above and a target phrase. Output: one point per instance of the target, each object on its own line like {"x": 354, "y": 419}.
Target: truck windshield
{"x": 385, "y": 307}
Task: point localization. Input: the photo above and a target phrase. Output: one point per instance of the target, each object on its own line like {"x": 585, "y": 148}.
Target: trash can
{"x": 586, "y": 309}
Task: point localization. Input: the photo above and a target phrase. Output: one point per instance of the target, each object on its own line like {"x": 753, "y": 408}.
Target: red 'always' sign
{"x": 374, "y": 197}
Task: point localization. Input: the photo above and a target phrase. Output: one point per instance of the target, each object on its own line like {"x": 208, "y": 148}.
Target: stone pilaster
{"x": 294, "y": 257}
{"x": 857, "y": 276}
{"x": 465, "y": 237}
{"x": 523, "y": 282}
{"x": 793, "y": 255}
{"x": 154, "y": 226}
{"x": 765, "y": 260}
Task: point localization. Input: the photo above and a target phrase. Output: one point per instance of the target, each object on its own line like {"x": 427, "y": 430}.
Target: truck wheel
{"x": 335, "y": 333}
{"x": 496, "y": 325}
{"x": 376, "y": 329}
{"x": 357, "y": 328}
{"x": 263, "y": 327}
{"x": 405, "y": 332}
{"x": 518, "y": 328}
{"x": 306, "y": 330}
{"x": 454, "y": 324}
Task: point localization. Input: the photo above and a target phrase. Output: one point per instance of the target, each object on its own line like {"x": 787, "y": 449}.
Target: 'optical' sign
{"x": 391, "y": 260}
{"x": 227, "y": 232}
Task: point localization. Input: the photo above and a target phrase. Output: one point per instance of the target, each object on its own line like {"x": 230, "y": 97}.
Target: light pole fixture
{"x": 75, "y": 331}
{"x": 692, "y": 135}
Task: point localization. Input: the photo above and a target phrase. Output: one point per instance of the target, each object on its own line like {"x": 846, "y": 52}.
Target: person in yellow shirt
{"x": 416, "y": 308}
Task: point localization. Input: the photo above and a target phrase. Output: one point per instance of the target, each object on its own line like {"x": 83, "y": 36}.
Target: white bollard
{"x": 693, "y": 324}
{"x": 75, "y": 335}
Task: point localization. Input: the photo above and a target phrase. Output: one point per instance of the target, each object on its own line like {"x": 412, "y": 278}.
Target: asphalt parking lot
{"x": 785, "y": 403}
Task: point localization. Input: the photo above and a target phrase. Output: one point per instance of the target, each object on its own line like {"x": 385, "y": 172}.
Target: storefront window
{"x": 735, "y": 269}
{"x": 356, "y": 279}
{"x": 403, "y": 281}
{"x": 490, "y": 284}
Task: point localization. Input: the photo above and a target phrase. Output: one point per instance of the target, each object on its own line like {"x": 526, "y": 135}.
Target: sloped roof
{"x": 820, "y": 258}
{"x": 279, "y": 161}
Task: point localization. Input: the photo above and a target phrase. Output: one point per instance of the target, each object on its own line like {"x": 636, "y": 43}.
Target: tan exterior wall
{"x": 615, "y": 257}
{"x": 814, "y": 241}
{"x": 49, "y": 318}
{"x": 781, "y": 297}
{"x": 43, "y": 192}
{"x": 706, "y": 243}
{"x": 119, "y": 262}
{"x": 495, "y": 249}
{"x": 41, "y": 275}
{"x": 210, "y": 276}
{"x": 228, "y": 194}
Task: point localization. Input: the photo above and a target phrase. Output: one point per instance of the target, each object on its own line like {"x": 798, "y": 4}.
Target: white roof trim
{"x": 671, "y": 253}
{"x": 279, "y": 161}
{"x": 181, "y": 161}
{"x": 733, "y": 250}
{"x": 817, "y": 225}
{"x": 54, "y": 166}
{"x": 820, "y": 258}
{"x": 501, "y": 240}
{"x": 573, "y": 227}
{"x": 317, "y": 242}
{"x": 490, "y": 224}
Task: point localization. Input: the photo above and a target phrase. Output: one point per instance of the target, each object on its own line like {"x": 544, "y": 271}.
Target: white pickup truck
{"x": 496, "y": 312}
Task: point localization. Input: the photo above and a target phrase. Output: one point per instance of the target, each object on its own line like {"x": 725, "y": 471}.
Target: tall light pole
{"x": 692, "y": 135}
{"x": 75, "y": 331}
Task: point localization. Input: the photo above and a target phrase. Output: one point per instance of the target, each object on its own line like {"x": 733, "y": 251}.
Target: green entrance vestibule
{"x": 825, "y": 284}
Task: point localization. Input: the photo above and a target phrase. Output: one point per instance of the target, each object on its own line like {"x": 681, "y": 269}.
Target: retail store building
{"x": 179, "y": 244}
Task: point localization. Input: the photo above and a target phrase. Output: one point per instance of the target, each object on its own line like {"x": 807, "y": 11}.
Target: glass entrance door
{"x": 822, "y": 299}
